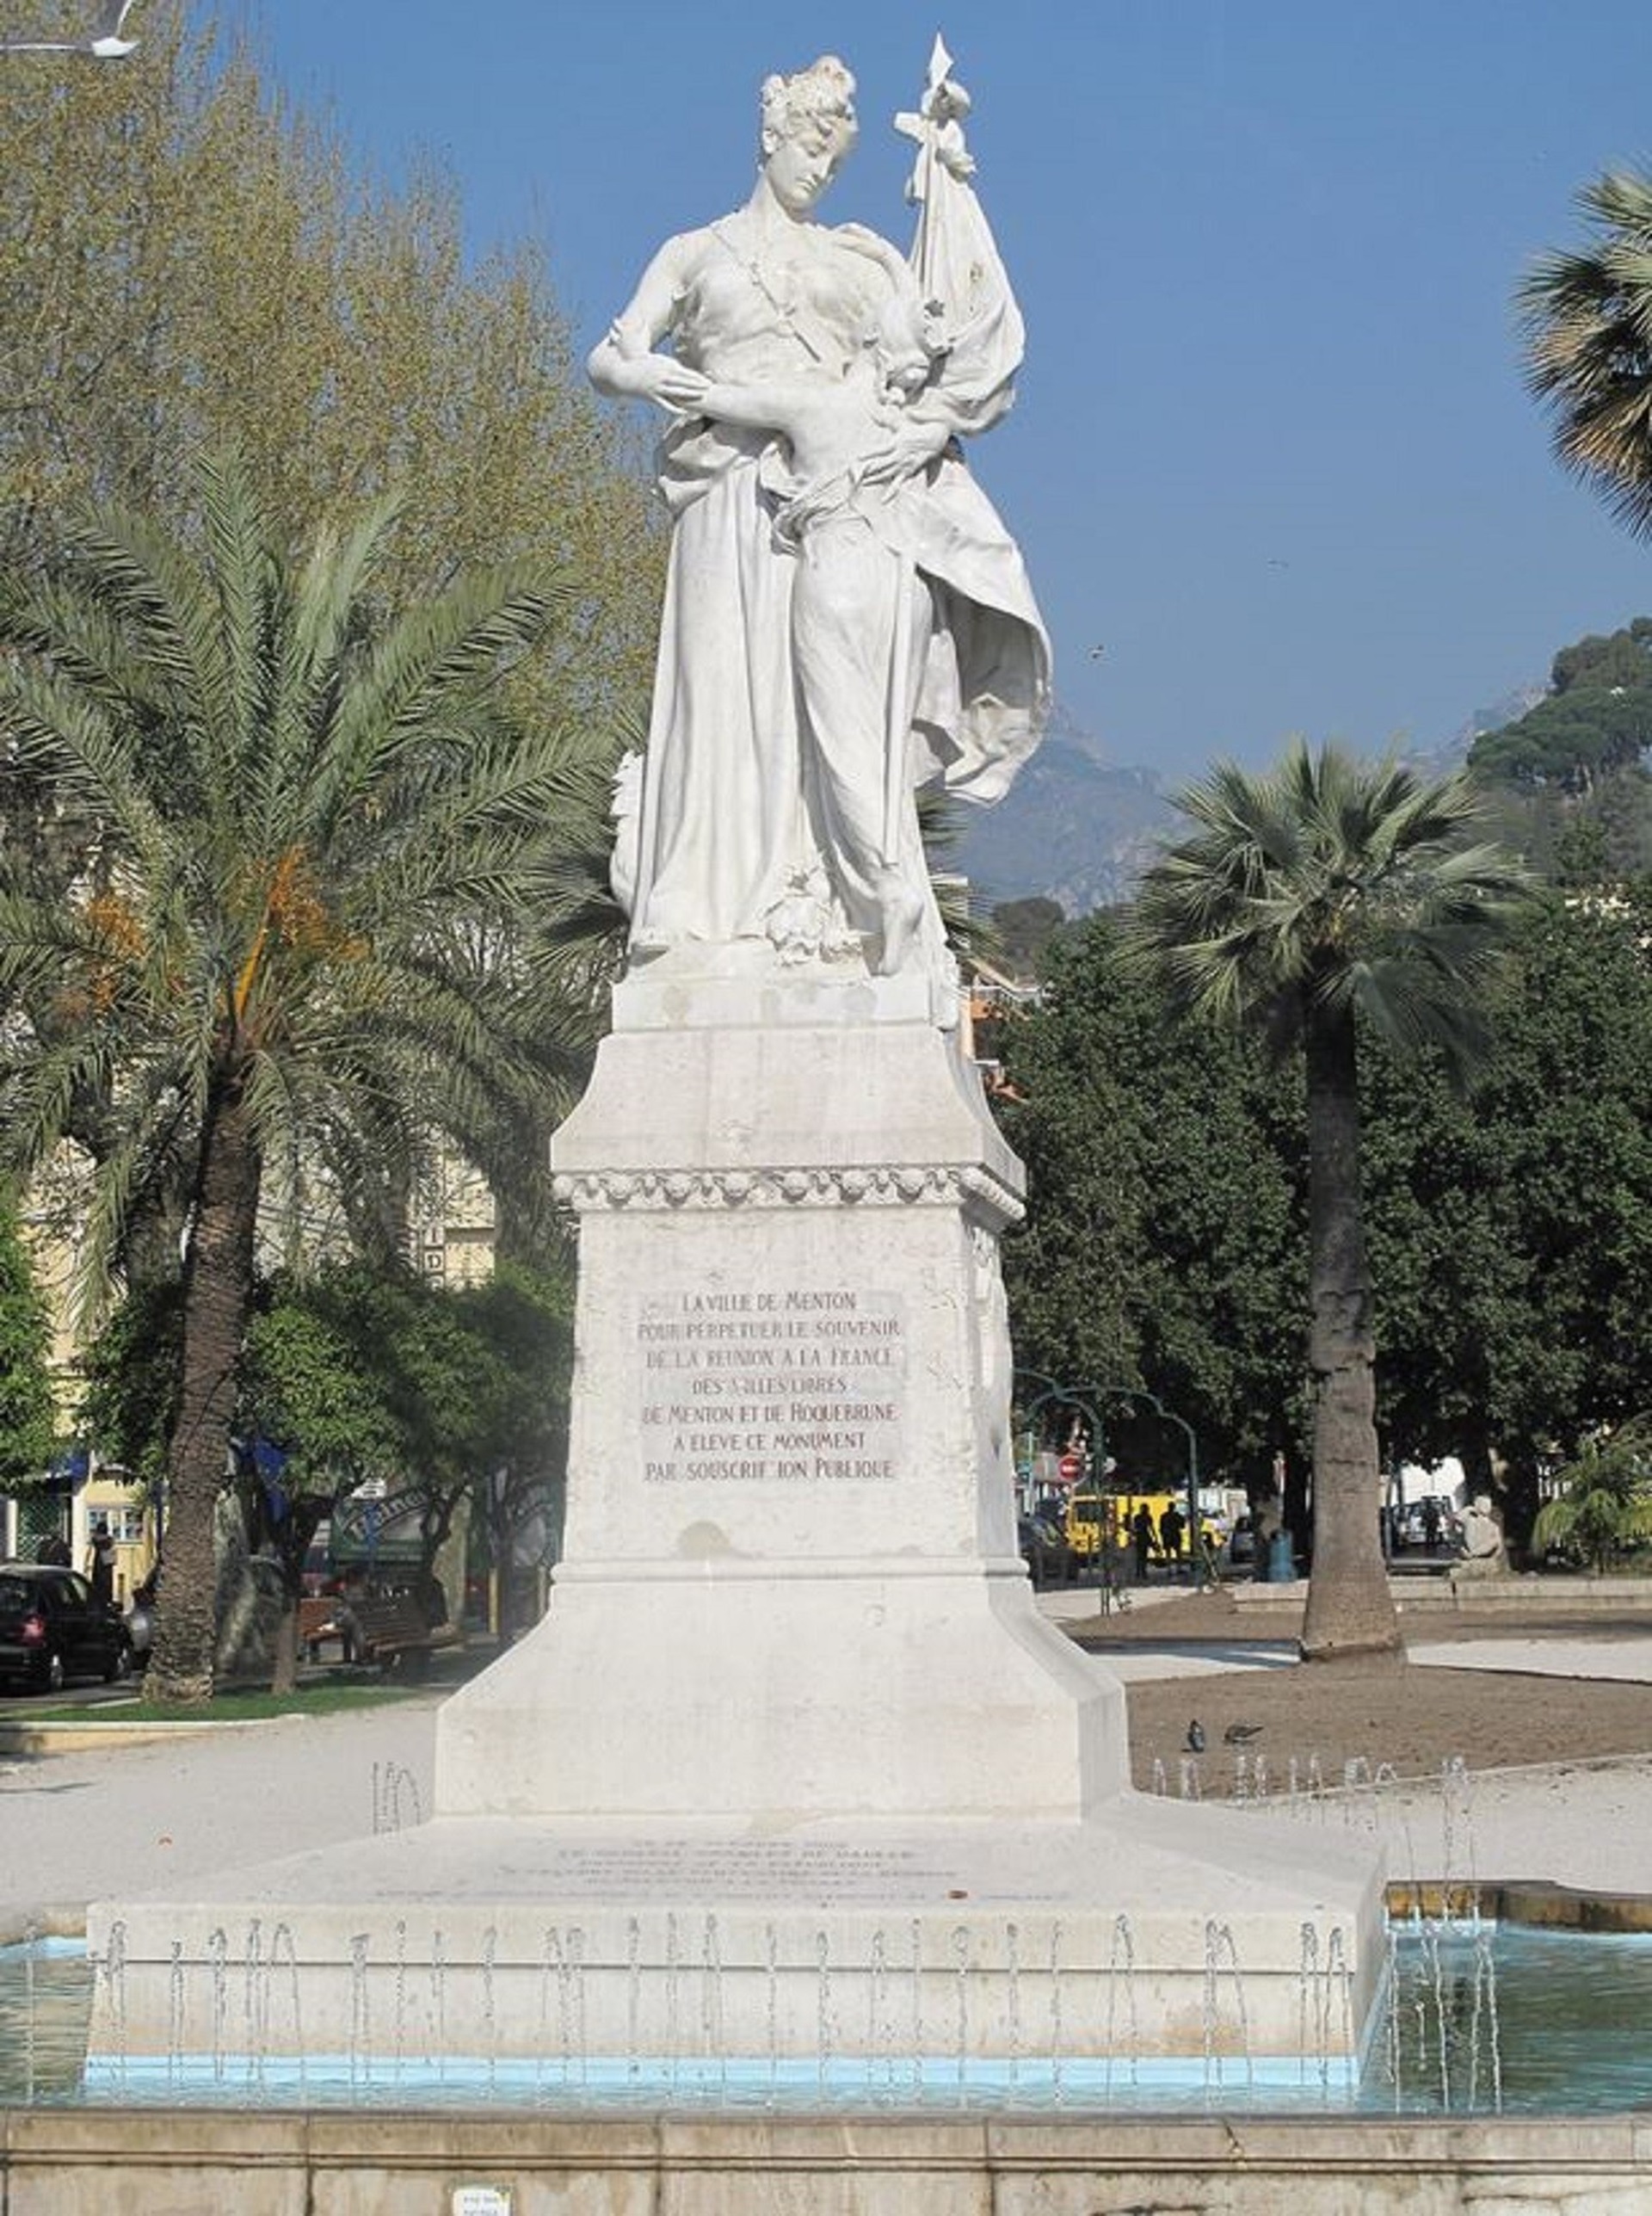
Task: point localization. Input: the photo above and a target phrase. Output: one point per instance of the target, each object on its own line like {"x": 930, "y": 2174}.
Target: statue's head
{"x": 808, "y": 131}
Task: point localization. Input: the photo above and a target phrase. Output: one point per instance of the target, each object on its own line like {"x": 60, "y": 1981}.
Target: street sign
{"x": 1070, "y": 1468}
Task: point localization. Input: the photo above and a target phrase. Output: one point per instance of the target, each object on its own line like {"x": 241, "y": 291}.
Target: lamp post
{"x": 1047, "y": 1394}
{"x": 1086, "y": 1399}
{"x": 103, "y": 41}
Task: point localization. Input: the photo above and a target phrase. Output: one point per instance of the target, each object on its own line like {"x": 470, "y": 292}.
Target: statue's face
{"x": 800, "y": 164}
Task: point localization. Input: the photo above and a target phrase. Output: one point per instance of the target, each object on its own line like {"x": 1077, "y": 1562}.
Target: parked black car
{"x": 1045, "y": 1550}
{"x": 52, "y": 1628}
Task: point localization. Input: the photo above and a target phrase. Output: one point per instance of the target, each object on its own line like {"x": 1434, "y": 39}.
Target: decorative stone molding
{"x": 984, "y": 1198}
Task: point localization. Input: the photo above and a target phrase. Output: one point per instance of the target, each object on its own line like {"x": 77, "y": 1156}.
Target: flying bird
{"x": 105, "y": 42}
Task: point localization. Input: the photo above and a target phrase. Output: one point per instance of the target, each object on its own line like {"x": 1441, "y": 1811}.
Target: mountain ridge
{"x": 1080, "y": 829}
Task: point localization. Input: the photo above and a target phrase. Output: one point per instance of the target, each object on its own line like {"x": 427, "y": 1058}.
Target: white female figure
{"x": 845, "y": 615}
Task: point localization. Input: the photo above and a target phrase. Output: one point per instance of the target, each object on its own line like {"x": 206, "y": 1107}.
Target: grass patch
{"x": 229, "y": 1707}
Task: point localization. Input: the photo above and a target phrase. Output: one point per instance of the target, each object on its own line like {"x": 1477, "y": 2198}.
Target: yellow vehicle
{"x": 1092, "y": 1516}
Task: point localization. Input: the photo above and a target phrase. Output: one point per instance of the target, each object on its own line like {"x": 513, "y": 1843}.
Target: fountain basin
{"x": 1482, "y": 2013}
{"x": 391, "y": 2163}
{"x": 1474, "y": 2017}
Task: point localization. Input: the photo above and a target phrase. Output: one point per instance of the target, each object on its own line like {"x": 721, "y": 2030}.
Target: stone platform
{"x": 1153, "y": 1931}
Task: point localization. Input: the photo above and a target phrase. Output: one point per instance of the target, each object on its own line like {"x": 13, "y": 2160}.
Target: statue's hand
{"x": 673, "y": 383}
{"x": 909, "y": 450}
{"x": 658, "y": 377}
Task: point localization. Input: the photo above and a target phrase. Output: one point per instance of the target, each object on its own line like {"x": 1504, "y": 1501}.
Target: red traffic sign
{"x": 1070, "y": 1468}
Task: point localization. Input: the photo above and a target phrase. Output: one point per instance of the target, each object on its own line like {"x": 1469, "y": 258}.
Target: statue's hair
{"x": 824, "y": 93}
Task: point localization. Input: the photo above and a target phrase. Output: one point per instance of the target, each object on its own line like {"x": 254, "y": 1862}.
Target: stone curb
{"x": 88, "y": 1739}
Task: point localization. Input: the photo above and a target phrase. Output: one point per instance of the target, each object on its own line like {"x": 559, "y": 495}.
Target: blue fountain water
{"x": 1476, "y": 2020}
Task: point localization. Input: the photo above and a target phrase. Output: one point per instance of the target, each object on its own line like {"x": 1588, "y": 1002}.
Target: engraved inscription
{"x": 805, "y": 1386}
{"x": 744, "y": 1869}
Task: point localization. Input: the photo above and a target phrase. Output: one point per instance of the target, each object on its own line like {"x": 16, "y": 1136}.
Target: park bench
{"x": 390, "y": 1629}
{"x": 316, "y": 1624}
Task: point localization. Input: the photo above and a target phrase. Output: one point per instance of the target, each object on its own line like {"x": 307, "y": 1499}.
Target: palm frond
{"x": 65, "y": 731}
{"x": 1586, "y": 317}
{"x": 1330, "y": 882}
{"x": 243, "y": 569}
{"x": 165, "y": 605}
{"x": 411, "y": 678}
{"x": 327, "y": 620}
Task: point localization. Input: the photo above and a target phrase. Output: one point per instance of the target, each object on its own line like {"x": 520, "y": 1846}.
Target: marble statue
{"x": 1484, "y": 1554}
{"x": 846, "y": 617}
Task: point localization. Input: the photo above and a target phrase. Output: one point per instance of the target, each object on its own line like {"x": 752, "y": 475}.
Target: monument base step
{"x": 1155, "y": 1930}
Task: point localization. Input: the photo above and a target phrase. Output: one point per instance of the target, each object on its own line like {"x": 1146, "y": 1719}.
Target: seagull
{"x": 105, "y": 42}
{"x": 1236, "y": 1734}
{"x": 1195, "y": 1743}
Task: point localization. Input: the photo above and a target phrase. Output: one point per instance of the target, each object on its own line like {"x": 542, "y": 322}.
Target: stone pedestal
{"x": 791, "y": 1589}
{"x": 792, "y": 1773}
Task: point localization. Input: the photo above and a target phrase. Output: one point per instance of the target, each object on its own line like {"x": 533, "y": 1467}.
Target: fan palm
{"x": 310, "y": 836}
{"x": 1587, "y": 315}
{"x": 1304, "y": 901}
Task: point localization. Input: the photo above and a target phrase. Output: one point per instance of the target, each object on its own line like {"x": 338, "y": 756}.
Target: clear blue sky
{"x": 1271, "y": 454}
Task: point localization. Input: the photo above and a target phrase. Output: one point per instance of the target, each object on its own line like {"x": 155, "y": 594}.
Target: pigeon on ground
{"x": 1236, "y": 1734}
{"x": 1195, "y": 1742}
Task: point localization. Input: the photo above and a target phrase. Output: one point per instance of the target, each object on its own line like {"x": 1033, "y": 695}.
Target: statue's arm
{"x": 752, "y": 407}
{"x": 802, "y": 409}
{"x": 928, "y": 421}
{"x": 627, "y": 364}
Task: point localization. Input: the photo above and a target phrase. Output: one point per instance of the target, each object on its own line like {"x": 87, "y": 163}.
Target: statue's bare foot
{"x": 901, "y": 908}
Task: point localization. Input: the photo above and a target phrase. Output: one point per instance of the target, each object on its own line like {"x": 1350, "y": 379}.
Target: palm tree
{"x": 1308, "y": 901}
{"x": 1603, "y": 1505}
{"x": 1587, "y": 315}
{"x": 312, "y": 833}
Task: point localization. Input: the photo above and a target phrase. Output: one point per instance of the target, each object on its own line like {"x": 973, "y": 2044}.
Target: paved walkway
{"x": 1587, "y": 1826}
{"x": 1629, "y": 1660}
{"x": 1626, "y": 1658}
{"x": 77, "y": 1827}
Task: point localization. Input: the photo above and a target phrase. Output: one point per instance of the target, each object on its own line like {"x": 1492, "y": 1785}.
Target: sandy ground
{"x": 1492, "y": 1696}
{"x": 1497, "y": 1750}
{"x": 1521, "y": 1753}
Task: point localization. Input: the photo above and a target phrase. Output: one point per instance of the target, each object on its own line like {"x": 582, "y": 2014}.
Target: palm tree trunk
{"x": 1350, "y": 1607}
{"x": 216, "y": 1293}
{"x": 284, "y": 1664}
